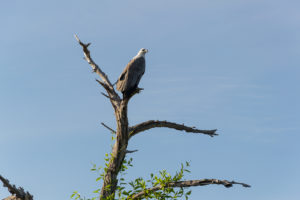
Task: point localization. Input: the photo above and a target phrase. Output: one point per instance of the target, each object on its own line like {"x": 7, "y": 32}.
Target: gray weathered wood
{"x": 17, "y": 193}
{"x": 189, "y": 183}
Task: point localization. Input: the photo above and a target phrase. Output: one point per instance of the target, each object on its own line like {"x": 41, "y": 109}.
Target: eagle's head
{"x": 142, "y": 52}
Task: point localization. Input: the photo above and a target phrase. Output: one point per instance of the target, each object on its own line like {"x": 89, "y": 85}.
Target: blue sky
{"x": 231, "y": 65}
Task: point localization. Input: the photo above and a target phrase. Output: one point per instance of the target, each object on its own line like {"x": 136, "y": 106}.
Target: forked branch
{"x": 105, "y": 81}
{"x": 95, "y": 67}
{"x": 19, "y": 192}
{"x": 155, "y": 123}
{"x": 189, "y": 183}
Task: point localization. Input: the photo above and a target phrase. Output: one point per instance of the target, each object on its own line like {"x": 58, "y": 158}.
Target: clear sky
{"x": 231, "y": 65}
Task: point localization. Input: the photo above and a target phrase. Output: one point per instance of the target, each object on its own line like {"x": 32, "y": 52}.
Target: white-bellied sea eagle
{"x": 132, "y": 74}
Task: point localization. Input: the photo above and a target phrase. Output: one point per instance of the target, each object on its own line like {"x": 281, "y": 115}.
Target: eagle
{"x": 132, "y": 74}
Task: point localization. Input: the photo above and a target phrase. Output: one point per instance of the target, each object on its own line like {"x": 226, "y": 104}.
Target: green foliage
{"x": 160, "y": 181}
{"x": 126, "y": 190}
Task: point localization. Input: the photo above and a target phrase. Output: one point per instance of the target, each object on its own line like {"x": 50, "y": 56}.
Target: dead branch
{"x": 94, "y": 66}
{"x": 154, "y": 124}
{"x": 131, "y": 151}
{"x": 111, "y": 130}
{"x": 189, "y": 183}
{"x": 19, "y": 192}
{"x": 105, "y": 95}
{"x": 106, "y": 83}
{"x": 110, "y": 93}
{"x": 106, "y": 87}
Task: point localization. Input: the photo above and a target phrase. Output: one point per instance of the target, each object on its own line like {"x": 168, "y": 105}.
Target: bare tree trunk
{"x": 118, "y": 152}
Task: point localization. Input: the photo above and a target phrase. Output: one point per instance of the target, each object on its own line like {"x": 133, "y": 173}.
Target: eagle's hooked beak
{"x": 146, "y": 50}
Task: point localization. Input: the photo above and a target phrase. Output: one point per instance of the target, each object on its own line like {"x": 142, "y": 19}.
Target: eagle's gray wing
{"x": 132, "y": 74}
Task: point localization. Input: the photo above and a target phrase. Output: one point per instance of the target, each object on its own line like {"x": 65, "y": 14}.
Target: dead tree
{"x": 16, "y": 193}
{"x": 124, "y": 133}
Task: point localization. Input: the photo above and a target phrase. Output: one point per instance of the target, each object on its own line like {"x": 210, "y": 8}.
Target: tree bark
{"x": 160, "y": 124}
{"x": 118, "y": 152}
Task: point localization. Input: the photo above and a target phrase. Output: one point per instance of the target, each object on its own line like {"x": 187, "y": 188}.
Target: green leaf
{"x": 97, "y": 191}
